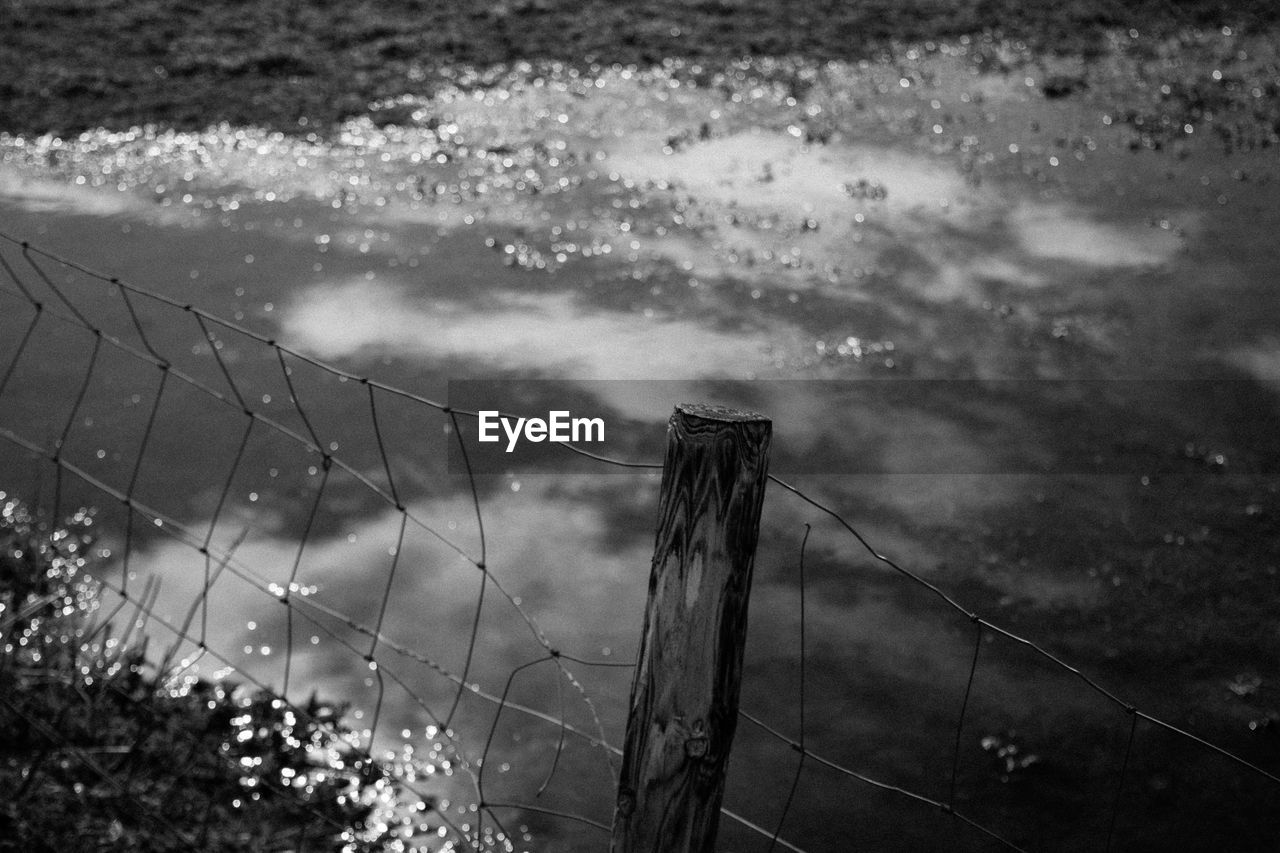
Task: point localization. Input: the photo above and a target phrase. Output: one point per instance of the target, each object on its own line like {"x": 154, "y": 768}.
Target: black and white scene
{"x": 669, "y": 426}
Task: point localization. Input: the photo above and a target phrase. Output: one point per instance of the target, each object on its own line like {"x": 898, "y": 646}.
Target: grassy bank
{"x": 67, "y": 65}
{"x": 100, "y": 751}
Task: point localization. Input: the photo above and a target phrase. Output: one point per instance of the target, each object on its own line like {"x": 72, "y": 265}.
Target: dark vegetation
{"x": 99, "y": 752}
{"x": 68, "y": 65}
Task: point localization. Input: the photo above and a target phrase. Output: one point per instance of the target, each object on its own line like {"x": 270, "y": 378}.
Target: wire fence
{"x": 233, "y": 402}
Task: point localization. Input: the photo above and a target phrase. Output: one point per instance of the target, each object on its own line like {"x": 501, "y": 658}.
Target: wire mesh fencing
{"x": 186, "y": 643}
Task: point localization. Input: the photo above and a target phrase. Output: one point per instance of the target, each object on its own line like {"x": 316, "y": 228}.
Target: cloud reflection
{"x": 52, "y": 195}
{"x": 1059, "y": 232}
{"x": 549, "y": 547}
{"x": 550, "y": 333}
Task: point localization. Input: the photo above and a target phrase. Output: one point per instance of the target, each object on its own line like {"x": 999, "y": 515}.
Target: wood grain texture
{"x": 684, "y": 698}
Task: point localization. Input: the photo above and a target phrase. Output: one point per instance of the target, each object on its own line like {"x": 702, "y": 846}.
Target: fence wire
{"x": 52, "y": 289}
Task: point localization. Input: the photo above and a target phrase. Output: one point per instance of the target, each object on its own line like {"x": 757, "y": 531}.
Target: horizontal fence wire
{"x": 367, "y": 641}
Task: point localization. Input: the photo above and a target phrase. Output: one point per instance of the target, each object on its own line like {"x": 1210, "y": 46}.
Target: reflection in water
{"x": 1058, "y": 233}
{"x": 555, "y": 553}
{"x": 778, "y": 172}
{"x": 515, "y": 332}
{"x": 884, "y": 224}
{"x": 1261, "y": 362}
{"x": 34, "y": 193}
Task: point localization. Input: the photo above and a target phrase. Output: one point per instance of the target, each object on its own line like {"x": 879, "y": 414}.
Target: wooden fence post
{"x": 684, "y": 697}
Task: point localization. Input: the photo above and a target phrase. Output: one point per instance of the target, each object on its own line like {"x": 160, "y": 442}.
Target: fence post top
{"x": 713, "y": 412}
